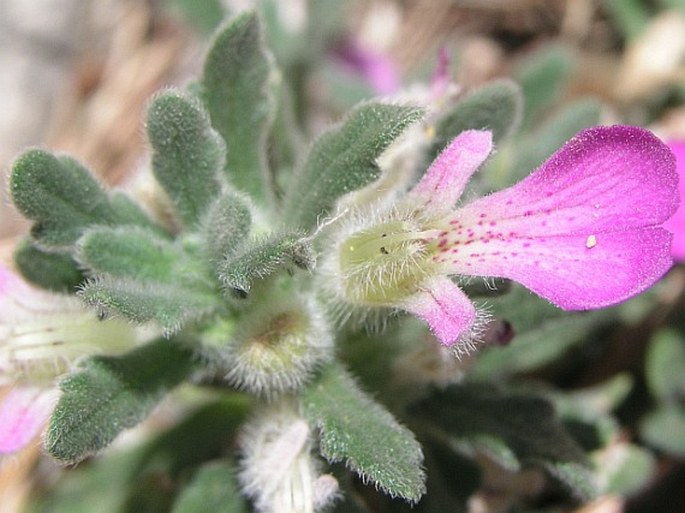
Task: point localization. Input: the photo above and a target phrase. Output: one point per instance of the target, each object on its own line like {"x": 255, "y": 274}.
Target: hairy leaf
{"x": 227, "y": 225}
{"x": 496, "y": 106}
{"x": 262, "y": 258}
{"x": 235, "y": 89}
{"x": 188, "y": 155}
{"x": 168, "y": 305}
{"x": 56, "y": 271}
{"x": 343, "y": 160}
{"x": 60, "y": 195}
{"x": 129, "y": 252}
{"x": 63, "y": 199}
{"x": 111, "y": 394}
{"x": 512, "y": 429}
{"x": 357, "y": 430}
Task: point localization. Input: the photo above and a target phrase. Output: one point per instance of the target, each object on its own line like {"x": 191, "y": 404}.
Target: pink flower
{"x": 677, "y": 223}
{"x": 41, "y": 334}
{"x": 585, "y": 230}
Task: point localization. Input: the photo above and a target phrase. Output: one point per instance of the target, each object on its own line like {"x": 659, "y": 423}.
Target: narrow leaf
{"x": 128, "y": 212}
{"x": 343, "y": 160}
{"x": 60, "y": 195}
{"x": 236, "y": 91}
{"x": 664, "y": 428}
{"x": 62, "y": 198}
{"x": 227, "y": 225}
{"x": 54, "y": 271}
{"x": 665, "y": 367}
{"x": 364, "y": 435}
{"x": 111, "y": 394}
{"x": 512, "y": 429}
{"x": 188, "y": 154}
{"x": 129, "y": 252}
{"x": 263, "y": 258}
{"x": 214, "y": 488}
{"x": 116, "y": 482}
{"x": 168, "y": 305}
{"x": 496, "y": 106}
{"x": 542, "y": 77}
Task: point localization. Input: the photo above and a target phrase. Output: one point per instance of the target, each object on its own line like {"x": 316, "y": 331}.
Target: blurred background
{"x": 76, "y": 75}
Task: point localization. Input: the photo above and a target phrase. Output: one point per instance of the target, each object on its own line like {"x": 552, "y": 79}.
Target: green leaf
{"x": 60, "y": 195}
{"x": 54, "y": 271}
{"x": 168, "y": 305}
{"x": 227, "y": 225}
{"x": 129, "y": 252}
{"x": 364, "y": 435}
{"x": 586, "y": 413}
{"x": 188, "y": 155}
{"x": 496, "y": 106}
{"x": 121, "y": 481}
{"x": 343, "y": 160}
{"x": 512, "y": 429}
{"x": 519, "y": 157}
{"x": 665, "y": 366}
{"x": 213, "y": 488}
{"x": 128, "y": 212}
{"x": 664, "y": 428}
{"x": 63, "y": 199}
{"x": 237, "y": 92}
{"x": 263, "y": 258}
{"x": 623, "y": 469}
{"x": 542, "y": 78}
{"x": 111, "y": 394}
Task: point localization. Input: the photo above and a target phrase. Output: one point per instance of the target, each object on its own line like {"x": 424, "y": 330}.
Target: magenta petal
{"x": 23, "y": 413}
{"x": 446, "y": 178}
{"x": 445, "y": 308}
{"x": 583, "y": 230}
{"x": 677, "y": 223}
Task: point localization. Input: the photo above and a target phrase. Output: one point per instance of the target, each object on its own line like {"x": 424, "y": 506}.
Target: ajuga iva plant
{"x": 272, "y": 302}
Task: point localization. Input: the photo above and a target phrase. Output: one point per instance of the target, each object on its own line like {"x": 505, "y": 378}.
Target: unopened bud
{"x": 278, "y": 470}
{"x": 277, "y": 347}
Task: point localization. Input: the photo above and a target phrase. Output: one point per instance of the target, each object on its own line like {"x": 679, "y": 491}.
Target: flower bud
{"x": 277, "y": 346}
{"x": 278, "y": 470}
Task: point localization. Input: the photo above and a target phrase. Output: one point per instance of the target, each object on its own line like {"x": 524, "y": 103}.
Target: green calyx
{"x": 386, "y": 263}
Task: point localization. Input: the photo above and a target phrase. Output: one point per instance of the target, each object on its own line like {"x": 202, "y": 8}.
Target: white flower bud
{"x": 278, "y": 470}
